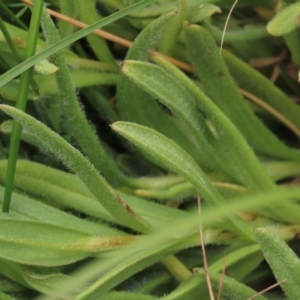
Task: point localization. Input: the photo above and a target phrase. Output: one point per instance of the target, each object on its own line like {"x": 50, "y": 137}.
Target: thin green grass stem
{"x": 21, "y": 103}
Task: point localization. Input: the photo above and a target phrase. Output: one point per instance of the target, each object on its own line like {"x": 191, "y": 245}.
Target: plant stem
{"x": 21, "y": 103}
{"x": 176, "y": 268}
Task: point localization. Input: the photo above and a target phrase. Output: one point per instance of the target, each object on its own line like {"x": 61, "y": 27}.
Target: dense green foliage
{"x": 116, "y": 164}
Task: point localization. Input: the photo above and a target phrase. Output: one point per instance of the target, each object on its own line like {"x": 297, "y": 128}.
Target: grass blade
{"x": 21, "y": 103}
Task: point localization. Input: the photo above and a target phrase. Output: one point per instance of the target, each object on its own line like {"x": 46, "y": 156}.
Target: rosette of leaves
{"x": 82, "y": 223}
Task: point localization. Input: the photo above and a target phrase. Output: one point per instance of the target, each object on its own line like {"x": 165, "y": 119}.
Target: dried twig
{"x": 222, "y": 280}
{"x": 267, "y": 289}
{"x": 211, "y": 294}
{"x": 226, "y": 23}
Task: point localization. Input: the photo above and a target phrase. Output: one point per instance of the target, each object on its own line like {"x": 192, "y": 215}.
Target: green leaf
{"x": 74, "y": 160}
{"x": 129, "y": 266}
{"x": 143, "y": 108}
{"x": 6, "y": 297}
{"x": 173, "y": 29}
{"x": 66, "y": 190}
{"x": 292, "y": 41}
{"x": 28, "y": 63}
{"x": 80, "y": 78}
{"x": 285, "y": 21}
{"x": 80, "y": 127}
{"x": 88, "y": 14}
{"x": 283, "y": 261}
{"x": 188, "y": 225}
{"x": 171, "y": 93}
{"x": 199, "y": 12}
{"x": 231, "y": 289}
{"x": 221, "y": 143}
{"x": 195, "y": 286}
{"x": 42, "y": 279}
{"x": 126, "y": 296}
{"x": 171, "y": 156}
{"x": 45, "y": 283}
{"x": 9, "y": 91}
{"x": 251, "y": 80}
{"x": 213, "y": 72}
{"x": 8, "y": 285}
{"x": 44, "y": 67}
{"x": 24, "y": 207}
{"x": 234, "y": 257}
{"x": 41, "y": 244}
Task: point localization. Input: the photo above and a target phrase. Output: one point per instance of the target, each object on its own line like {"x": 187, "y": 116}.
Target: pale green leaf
{"x": 283, "y": 261}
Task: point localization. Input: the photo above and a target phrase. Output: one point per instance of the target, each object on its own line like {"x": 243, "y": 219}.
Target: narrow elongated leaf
{"x": 220, "y": 140}
{"x": 74, "y": 160}
{"x": 221, "y": 143}
{"x": 127, "y": 268}
{"x": 9, "y": 286}
{"x": 231, "y": 289}
{"x": 283, "y": 261}
{"x": 28, "y": 63}
{"x": 250, "y": 79}
{"x": 292, "y": 41}
{"x": 47, "y": 245}
{"x": 234, "y": 257}
{"x": 80, "y": 78}
{"x": 136, "y": 105}
{"x": 13, "y": 271}
{"x": 44, "y": 280}
{"x": 89, "y": 144}
{"x": 6, "y": 297}
{"x": 197, "y": 286}
{"x": 172, "y": 94}
{"x": 126, "y": 296}
{"x": 187, "y": 225}
{"x": 88, "y": 14}
{"x": 190, "y": 289}
{"x": 171, "y": 156}
{"x": 27, "y": 208}
{"x": 67, "y": 190}
{"x": 173, "y": 29}
{"x": 213, "y": 72}
{"x": 285, "y": 21}
{"x": 197, "y": 13}
{"x": 45, "y": 283}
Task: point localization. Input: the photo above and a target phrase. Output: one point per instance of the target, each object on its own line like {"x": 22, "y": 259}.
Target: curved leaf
{"x": 74, "y": 160}
{"x": 283, "y": 261}
{"x": 286, "y": 21}
{"x": 136, "y": 105}
{"x": 213, "y": 72}
{"x": 171, "y": 156}
{"x": 48, "y": 245}
{"x": 231, "y": 289}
